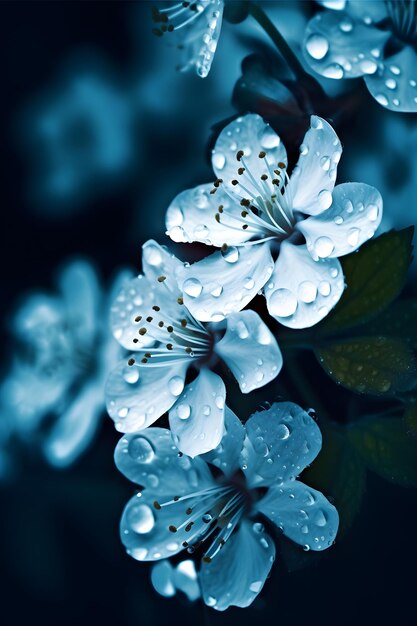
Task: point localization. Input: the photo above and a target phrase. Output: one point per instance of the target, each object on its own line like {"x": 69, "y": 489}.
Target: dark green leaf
{"x": 374, "y": 276}
{"x": 388, "y": 448}
{"x": 399, "y": 320}
{"x": 371, "y": 365}
{"x": 339, "y": 472}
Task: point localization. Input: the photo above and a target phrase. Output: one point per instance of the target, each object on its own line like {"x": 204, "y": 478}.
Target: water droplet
{"x": 152, "y": 481}
{"x": 141, "y": 519}
{"x": 282, "y": 431}
{"x": 231, "y": 254}
{"x": 242, "y": 330}
{"x": 248, "y": 283}
{"x": 210, "y": 601}
{"x": 316, "y": 123}
{"x": 282, "y": 303}
{"x": 192, "y": 287}
{"x": 207, "y": 518}
{"x": 256, "y": 586}
{"x": 334, "y": 272}
{"x": 123, "y": 412}
{"x": 219, "y": 160}
{"x": 176, "y": 385}
{"x": 201, "y": 231}
{"x": 303, "y": 149}
{"x": 381, "y": 99}
{"x": 259, "y": 377}
{"x": 395, "y": 70}
{"x": 216, "y": 292}
{"x": 307, "y": 291}
{"x": 325, "y": 199}
{"x": 353, "y": 236}
{"x": 304, "y": 529}
{"x": 206, "y": 410}
{"x": 152, "y": 255}
{"x": 338, "y": 220}
{"x": 323, "y": 247}
{"x": 372, "y": 212}
{"x": 176, "y": 216}
{"x": 325, "y": 163}
{"x": 258, "y": 528}
{"x": 131, "y": 374}
{"x": 269, "y": 139}
{"x": 320, "y": 518}
{"x": 334, "y": 70}
{"x": 324, "y": 288}
{"x": 141, "y": 450}
{"x": 346, "y": 26}
{"x": 368, "y": 66}
{"x": 172, "y": 546}
{"x": 306, "y": 547}
{"x": 317, "y": 46}
{"x": 183, "y": 411}
{"x": 219, "y": 401}
{"x": 390, "y": 83}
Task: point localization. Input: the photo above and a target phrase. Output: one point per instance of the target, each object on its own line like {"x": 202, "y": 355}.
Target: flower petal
{"x": 371, "y": 11}
{"x": 225, "y": 282}
{"x": 238, "y": 572}
{"x": 162, "y": 578}
{"x": 250, "y": 350}
{"x": 145, "y": 530}
{"x": 254, "y": 136}
{"x": 167, "y": 580}
{"x": 280, "y": 442}
{"x": 227, "y": 454}
{"x": 82, "y": 295}
{"x": 197, "y": 419}
{"x": 158, "y": 262}
{"x": 312, "y": 181}
{"x": 74, "y": 428}
{"x": 337, "y": 45}
{"x": 301, "y": 291}
{"x": 137, "y": 395}
{"x": 395, "y": 84}
{"x": 303, "y": 514}
{"x": 151, "y": 459}
{"x": 353, "y": 218}
{"x": 191, "y": 216}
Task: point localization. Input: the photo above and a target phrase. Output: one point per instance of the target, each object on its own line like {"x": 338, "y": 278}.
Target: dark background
{"x": 61, "y": 559}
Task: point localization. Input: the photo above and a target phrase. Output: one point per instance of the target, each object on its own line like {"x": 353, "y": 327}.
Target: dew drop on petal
{"x": 206, "y": 410}
{"x": 248, "y": 283}
{"x": 269, "y": 139}
{"x": 242, "y": 330}
{"x": 390, "y": 83}
{"x": 217, "y": 291}
{"x": 219, "y": 160}
{"x": 317, "y": 46}
{"x": 323, "y": 247}
{"x": 353, "y": 236}
{"x": 368, "y": 66}
{"x": 141, "y": 519}
{"x": 141, "y": 450}
{"x": 219, "y": 401}
{"x": 131, "y": 374}
{"x": 381, "y": 99}
{"x": 324, "y": 288}
{"x": 231, "y": 254}
{"x": 256, "y": 586}
{"x": 307, "y": 291}
{"x": 334, "y": 70}
{"x": 372, "y": 212}
{"x": 325, "y": 199}
{"x": 183, "y": 411}
{"x": 282, "y": 303}
{"x": 176, "y": 385}
{"x": 192, "y": 287}
{"x": 282, "y": 432}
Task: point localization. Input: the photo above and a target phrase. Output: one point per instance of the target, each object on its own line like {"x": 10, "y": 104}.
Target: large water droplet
{"x": 368, "y": 66}
{"x": 307, "y": 291}
{"x": 131, "y": 374}
{"x": 372, "y": 212}
{"x": 282, "y": 303}
{"x": 141, "y": 450}
{"x": 242, "y": 330}
{"x": 219, "y": 160}
{"x": 176, "y": 385}
{"x": 219, "y": 401}
{"x": 381, "y": 99}
{"x": 317, "y": 46}
{"x": 346, "y": 26}
{"x": 320, "y": 518}
{"x": 211, "y": 601}
{"x": 324, "y": 288}
{"x": 325, "y": 163}
{"x": 390, "y": 83}
{"x": 334, "y": 70}
{"x": 201, "y": 231}
{"x": 192, "y": 287}
{"x": 269, "y": 139}
{"x": 353, "y": 236}
{"x": 217, "y": 291}
{"x": 258, "y": 528}
{"x": 231, "y": 254}
{"x": 141, "y": 519}
{"x": 248, "y": 283}
{"x": 323, "y": 247}
{"x": 183, "y": 411}
{"x": 325, "y": 199}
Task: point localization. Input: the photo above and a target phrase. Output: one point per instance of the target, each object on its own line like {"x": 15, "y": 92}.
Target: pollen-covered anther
{"x": 235, "y": 182}
{"x": 241, "y": 170}
{"x": 156, "y": 505}
{"x": 135, "y": 340}
{"x": 144, "y": 360}
{"x": 131, "y": 362}
{"x": 275, "y": 181}
{"x": 172, "y": 528}
{"x": 206, "y": 559}
{"x": 188, "y": 350}
{"x": 240, "y": 154}
{"x": 264, "y": 177}
{"x": 220, "y": 208}
{"x": 176, "y": 498}
{"x": 281, "y": 165}
{"x": 149, "y": 319}
{"x": 218, "y": 182}
{"x": 156, "y": 308}
{"x": 224, "y": 247}
{"x": 157, "y": 32}
{"x": 161, "y": 279}
{"x": 244, "y": 226}
{"x": 183, "y": 323}
{"x": 189, "y": 527}
{"x": 245, "y": 202}
{"x": 138, "y": 318}
{"x": 170, "y": 346}
{"x": 212, "y": 191}
{"x": 189, "y": 511}
{"x": 262, "y": 154}
{"x": 160, "y": 324}
{"x": 142, "y": 331}
{"x": 180, "y": 300}
{"x": 170, "y": 28}
{"x": 170, "y": 329}
{"x": 217, "y": 217}
{"x": 277, "y": 172}
{"x": 244, "y": 214}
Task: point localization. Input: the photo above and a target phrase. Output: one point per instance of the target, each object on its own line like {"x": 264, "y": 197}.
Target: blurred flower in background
{"x": 167, "y": 580}
{"x": 79, "y": 136}
{"x": 53, "y": 394}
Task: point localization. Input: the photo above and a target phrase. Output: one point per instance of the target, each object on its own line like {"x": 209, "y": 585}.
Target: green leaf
{"x": 388, "y": 448}
{"x": 374, "y": 276}
{"x": 339, "y": 472}
{"x": 399, "y": 320}
{"x": 371, "y": 365}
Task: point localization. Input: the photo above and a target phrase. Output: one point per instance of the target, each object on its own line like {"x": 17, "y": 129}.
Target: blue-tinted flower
{"x": 373, "y": 39}
{"x": 167, "y": 580}
{"x": 80, "y": 136}
{"x": 196, "y": 27}
{"x": 149, "y": 317}
{"x": 255, "y": 208}
{"x": 53, "y": 395}
{"x": 185, "y": 505}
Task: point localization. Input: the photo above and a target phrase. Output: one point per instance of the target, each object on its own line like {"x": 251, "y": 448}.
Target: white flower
{"x": 197, "y": 28}
{"x": 150, "y": 318}
{"x": 185, "y": 505}
{"x": 256, "y": 208}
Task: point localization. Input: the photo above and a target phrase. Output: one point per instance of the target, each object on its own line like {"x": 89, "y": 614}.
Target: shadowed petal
{"x": 137, "y": 396}
{"x": 353, "y": 218}
{"x": 395, "y": 84}
{"x": 301, "y": 291}
{"x": 82, "y": 296}
{"x": 303, "y": 514}
{"x": 250, "y": 350}
{"x": 238, "y": 572}
{"x": 312, "y": 181}
{"x": 280, "y": 443}
{"x": 227, "y": 454}
{"x": 197, "y": 418}
{"x": 225, "y": 282}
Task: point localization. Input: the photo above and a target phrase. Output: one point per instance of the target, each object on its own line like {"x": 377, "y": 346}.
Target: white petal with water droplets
{"x": 352, "y": 219}
{"x": 225, "y": 282}
{"x": 191, "y": 217}
{"x": 303, "y": 514}
{"x": 250, "y": 350}
{"x": 337, "y": 45}
{"x": 157, "y": 261}
{"x": 254, "y": 136}
{"x": 151, "y": 459}
{"x": 313, "y": 178}
{"x": 226, "y": 455}
{"x": 138, "y": 395}
{"x": 394, "y": 86}
{"x": 301, "y": 291}
{"x": 197, "y": 419}
{"x": 280, "y": 442}
{"x": 238, "y": 572}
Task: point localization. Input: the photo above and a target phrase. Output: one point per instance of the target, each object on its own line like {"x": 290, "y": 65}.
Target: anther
{"x": 235, "y": 182}
{"x": 144, "y": 360}
{"x": 189, "y": 350}
{"x": 189, "y": 527}
{"x": 172, "y": 529}
{"x": 156, "y": 308}
{"x": 176, "y": 498}
{"x": 278, "y": 172}
{"x": 264, "y": 177}
{"x": 241, "y": 170}
{"x": 169, "y": 346}
{"x": 275, "y": 181}
{"x": 262, "y": 154}
{"x": 170, "y": 28}
{"x": 244, "y": 226}
{"x": 244, "y": 213}
{"x": 183, "y": 323}
{"x": 142, "y": 331}
{"x": 220, "y": 208}
{"x": 170, "y": 329}
{"x": 185, "y": 544}
{"x": 161, "y": 279}
{"x": 189, "y": 511}
{"x": 148, "y": 355}
{"x": 213, "y": 190}
{"x": 160, "y": 324}
{"x": 131, "y": 362}
{"x": 180, "y": 300}
{"x": 281, "y": 165}
{"x": 206, "y": 559}
{"x": 157, "y": 32}
{"x": 218, "y": 182}
{"x": 157, "y": 505}
{"x": 138, "y": 318}
{"x": 245, "y": 202}
{"x": 224, "y": 247}
{"x": 135, "y": 340}
{"x": 239, "y": 155}
{"x": 149, "y": 319}
{"x": 217, "y": 218}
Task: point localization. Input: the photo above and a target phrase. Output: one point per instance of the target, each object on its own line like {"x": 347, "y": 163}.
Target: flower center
{"x": 403, "y": 16}
{"x": 266, "y": 204}
{"x": 213, "y": 514}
